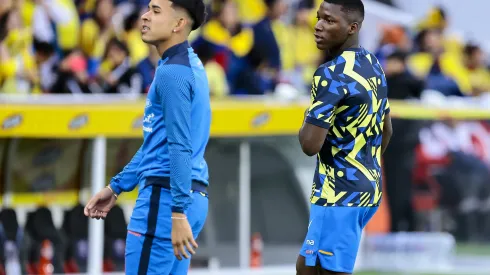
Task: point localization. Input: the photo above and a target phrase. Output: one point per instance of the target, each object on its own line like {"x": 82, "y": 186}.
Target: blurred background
{"x": 73, "y": 79}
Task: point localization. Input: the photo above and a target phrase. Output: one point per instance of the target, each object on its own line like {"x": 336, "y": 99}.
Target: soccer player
{"x": 169, "y": 168}
{"x": 347, "y": 127}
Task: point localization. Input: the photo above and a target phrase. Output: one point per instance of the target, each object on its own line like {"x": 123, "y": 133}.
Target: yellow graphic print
{"x": 349, "y": 98}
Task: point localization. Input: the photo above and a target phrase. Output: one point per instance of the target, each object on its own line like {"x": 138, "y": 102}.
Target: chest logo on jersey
{"x": 148, "y": 119}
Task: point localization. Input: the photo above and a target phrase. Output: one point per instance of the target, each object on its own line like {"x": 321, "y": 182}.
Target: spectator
{"x": 47, "y": 62}
{"x": 474, "y": 60}
{"x": 17, "y": 69}
{"x": 442, "y": 69}
{"x": 146, "y": 68}
{"x": 299, "y": 52}
{"x": 251, "y": 11}
{"x": 226, "y": 41}
{"x": 402, "y": 84}
{"x": 393, "y": 38}
{"x": 137, "y": 48}
{"x": 265, "y": 57}
{"x": 56, "y": 22}
{"x": 218, "y": 86}
{"x": 116, "y": 74}
{"x": 72, "y": 75}
{"x": 96, "y": 33}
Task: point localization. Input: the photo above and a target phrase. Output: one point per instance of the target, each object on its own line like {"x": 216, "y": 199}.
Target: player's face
{"x": 332, "y": 29}
{"x": 158, "y": 22}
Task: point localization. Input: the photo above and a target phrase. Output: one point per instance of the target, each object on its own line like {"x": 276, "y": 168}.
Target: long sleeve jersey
{"x": 176, "y": 128}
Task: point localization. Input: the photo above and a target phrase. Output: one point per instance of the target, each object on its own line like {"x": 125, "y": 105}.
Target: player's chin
{"x": 147, "y": 38}
{"x": 321, "y": 46}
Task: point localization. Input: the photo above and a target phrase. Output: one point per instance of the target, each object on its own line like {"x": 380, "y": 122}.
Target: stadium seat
{"x": 427, "y": 190}
{"x": 75, "y": 227}
{"x": 10, "y": 243}
{"x": 115, "y": 229}
{"x": 45, "y": 252}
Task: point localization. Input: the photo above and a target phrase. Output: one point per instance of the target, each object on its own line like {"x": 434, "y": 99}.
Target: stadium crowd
{"x": 248, "y": 47}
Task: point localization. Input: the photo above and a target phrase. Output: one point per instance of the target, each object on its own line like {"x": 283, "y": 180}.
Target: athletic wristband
{"x": 113, "y": 193}
{"x": 179, "y": 218}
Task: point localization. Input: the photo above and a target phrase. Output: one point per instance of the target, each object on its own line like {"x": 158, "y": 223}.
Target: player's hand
{"x": 100, "y": 204}
{"x": 182, "y": 237}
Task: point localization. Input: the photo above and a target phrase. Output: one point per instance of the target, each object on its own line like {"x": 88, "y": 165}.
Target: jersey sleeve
{"x": 127, "y": 179}
{"x": 327, "y": 91}
{"x": 174, "y": 87}
{"x": 387, "y": 106}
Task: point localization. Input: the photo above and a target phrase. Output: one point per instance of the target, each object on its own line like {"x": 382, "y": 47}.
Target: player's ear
{"x": 353, "y": 28}
{"x": 182, "y": 22}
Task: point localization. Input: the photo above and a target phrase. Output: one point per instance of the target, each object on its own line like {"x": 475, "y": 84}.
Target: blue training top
{"x": 175, "y": 128}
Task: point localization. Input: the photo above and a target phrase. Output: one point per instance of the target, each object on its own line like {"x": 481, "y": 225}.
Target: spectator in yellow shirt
{"x": 137, "y": 48}
{"x": 96, "y": 33}
{"x": 17, "y": 67}
{"x": 474, "y": 61}
{"x": 434, "y": 61}
{"x": 225, "y": 41}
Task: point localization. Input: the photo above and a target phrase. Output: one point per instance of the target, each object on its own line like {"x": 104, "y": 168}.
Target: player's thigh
{"x": 333, "y": 237}
{"x": 197, "y": 214}
{"x": 148, "y": 255}
{"x": 303, "y": 269}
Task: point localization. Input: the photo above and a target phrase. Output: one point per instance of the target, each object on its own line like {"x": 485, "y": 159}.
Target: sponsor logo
{"x": 12, "y": 122}
{"x": 149, "y": 118}
{"x": 261, "y": 119}
{"x": 78, "y": 122}
{"x": 148, "y": 103}
{"x": 309, "y": 252}
{"x": 310, "y": 242}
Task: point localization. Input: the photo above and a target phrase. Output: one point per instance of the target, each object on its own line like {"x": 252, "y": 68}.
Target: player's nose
{"x": 145, "y": 17}
{"x": 318, "y": 27}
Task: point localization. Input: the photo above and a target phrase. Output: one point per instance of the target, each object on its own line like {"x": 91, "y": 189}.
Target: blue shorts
{"x": 334, "y": 234}
{"x": 148, "y": 244}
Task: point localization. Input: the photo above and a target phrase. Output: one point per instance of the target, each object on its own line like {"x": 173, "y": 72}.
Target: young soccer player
{"x": 347, "y": 127}
{"x": 169, "y": 168}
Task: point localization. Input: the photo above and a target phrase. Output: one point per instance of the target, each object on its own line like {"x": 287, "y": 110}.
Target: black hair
{"x": 3, "y": 24}
{"x": 270, "y": 3}
{"x": 353, "y": 8}
{"x": 442, "y": 12}
{"x": 131, "y": 20}
{"x": 470, "y": 49}
{"x": 196, "y": 10}
{"x": 306, "y": 4}
{"x": 398, "y": 54}
{"x": 42, "y": 47}
{"x": 121, "y": 45}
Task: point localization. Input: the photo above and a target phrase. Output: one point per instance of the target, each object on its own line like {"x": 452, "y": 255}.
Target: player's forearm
{"x": 180, "y": 176}
{"x": 127, "y": 179}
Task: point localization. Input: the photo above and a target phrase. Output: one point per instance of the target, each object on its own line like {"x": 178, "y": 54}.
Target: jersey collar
{"x": 176, "y": 49}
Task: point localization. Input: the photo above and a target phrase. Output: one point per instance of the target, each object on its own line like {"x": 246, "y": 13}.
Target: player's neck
{"x": 165, "y": 45}
{"x": 354, "y": 43}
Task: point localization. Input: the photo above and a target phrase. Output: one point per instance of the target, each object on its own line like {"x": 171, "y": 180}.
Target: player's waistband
{"x": 164, "y": 182}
